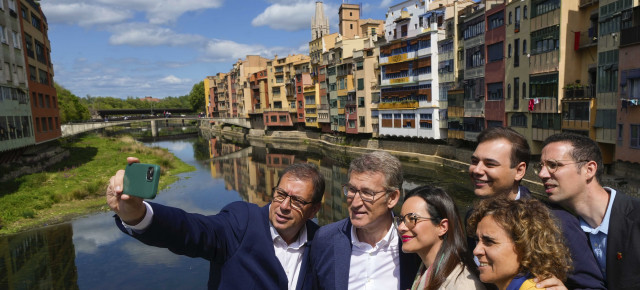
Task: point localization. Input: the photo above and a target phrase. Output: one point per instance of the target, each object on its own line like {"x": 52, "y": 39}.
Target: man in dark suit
{"x": 497, "y": 166}
{"x": 571, "y": 169}
{"x": 364, "y": 251}
{"x": 248, "y": 247}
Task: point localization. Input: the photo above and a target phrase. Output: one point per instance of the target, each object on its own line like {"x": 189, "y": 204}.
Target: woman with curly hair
{"x": 517, "y": 241}
{"x": 430, "y": 226}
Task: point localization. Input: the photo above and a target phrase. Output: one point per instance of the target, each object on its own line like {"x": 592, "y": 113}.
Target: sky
{"x": 160, "y": 48}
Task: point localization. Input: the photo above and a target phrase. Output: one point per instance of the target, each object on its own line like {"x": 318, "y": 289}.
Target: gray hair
{"x": 383, "y": 162}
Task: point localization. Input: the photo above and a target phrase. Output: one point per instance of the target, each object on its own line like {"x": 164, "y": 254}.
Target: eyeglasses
{"x": 366, "y": 195}
{"x": 279, "y": 195}
{"x": 410, "y": 220}
{"x": 552, "y": 165}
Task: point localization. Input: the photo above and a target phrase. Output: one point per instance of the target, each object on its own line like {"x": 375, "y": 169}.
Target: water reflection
{"x": 91, "y": 253}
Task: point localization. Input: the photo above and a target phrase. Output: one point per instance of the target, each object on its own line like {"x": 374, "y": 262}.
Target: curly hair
{"x": 538, "y": 241}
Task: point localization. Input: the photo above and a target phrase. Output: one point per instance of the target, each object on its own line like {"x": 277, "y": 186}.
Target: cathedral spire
{"x": 319, "y": 23}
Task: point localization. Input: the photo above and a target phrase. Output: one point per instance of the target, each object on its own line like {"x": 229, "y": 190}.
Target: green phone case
{"x": 141, "y": 180}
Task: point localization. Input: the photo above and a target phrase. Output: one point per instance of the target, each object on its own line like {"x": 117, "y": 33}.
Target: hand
{"x": 551, "y": 283}
{"x": 130, "y": 209}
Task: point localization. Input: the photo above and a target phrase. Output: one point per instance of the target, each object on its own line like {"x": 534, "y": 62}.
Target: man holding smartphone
{"x": 248, "y": 247}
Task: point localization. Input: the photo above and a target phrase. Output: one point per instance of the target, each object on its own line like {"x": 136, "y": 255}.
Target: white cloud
{"x": 84, "y": 14}
{"x": 385, "y": 4}
{"x": 142, "y": 34}
{"x": 227, "y": 50}
{"x": 288, "y": 16}
{"x": 173, "y": 80}
{"x": 92, "y": 12}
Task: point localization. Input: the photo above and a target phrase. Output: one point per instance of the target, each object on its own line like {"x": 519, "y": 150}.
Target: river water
{"x": 91, "y": 253}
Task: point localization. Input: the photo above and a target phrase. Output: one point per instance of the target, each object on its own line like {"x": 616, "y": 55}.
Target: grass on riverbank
{"x": 77, "y": 185}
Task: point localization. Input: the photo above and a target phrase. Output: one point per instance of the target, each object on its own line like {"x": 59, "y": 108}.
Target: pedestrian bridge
{"x": 73, "y": 129}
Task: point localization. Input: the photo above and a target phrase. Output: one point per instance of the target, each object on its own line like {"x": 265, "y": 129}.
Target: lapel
{"x": 618, "y": 227}
{"x": 264, "y": 212}
{"x": 342, "y": 256}
{"x": 304, "y": 266}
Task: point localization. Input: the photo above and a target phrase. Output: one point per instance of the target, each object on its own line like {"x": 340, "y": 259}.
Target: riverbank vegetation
{"x": 77, "y": 185}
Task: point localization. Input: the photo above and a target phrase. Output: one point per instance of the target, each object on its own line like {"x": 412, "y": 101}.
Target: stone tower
{"x": 319, "y": 23}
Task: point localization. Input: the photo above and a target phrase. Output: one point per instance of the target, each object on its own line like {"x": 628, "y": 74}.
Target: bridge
{"x": 73, "y": 129}
{"x": 140, "y": 112}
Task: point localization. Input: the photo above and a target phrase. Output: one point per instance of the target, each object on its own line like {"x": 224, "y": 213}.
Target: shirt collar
{"x": 297, "y": 244}
{"x": 604, "y": 226}
{"x": 518, "y": 195}
{"x": 386, "y": 240}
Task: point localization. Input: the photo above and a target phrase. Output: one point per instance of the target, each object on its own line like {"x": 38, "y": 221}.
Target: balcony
{"x": 588, "y": 92}
{"x": 586, "y": 38}
{"x": 399, "y": 105}
{"x": 629, "y": 36}
{"x": 585, "y": 3}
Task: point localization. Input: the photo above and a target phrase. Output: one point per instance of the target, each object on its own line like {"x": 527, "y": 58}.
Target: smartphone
{"x": 141, "y": 180}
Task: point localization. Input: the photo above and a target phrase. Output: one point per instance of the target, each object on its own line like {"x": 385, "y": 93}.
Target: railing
{"x": 630, "y": 35}
{"x": 398, "y": 105}
{"x": 587, "y": 38}
{"x": 582, "y": 92}
{"x": 584, "y": 3}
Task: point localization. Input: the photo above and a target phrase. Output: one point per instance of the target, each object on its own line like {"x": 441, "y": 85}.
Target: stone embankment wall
{"x": 418, "y": 151}
{"x": 36, "y": 159}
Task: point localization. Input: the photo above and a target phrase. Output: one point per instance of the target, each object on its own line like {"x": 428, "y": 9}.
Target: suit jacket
{"x": 237, "y": 242}
{"x": 586, "y": 273}
{"x": 623, "y": 243}
{"x": 331, "y": 258}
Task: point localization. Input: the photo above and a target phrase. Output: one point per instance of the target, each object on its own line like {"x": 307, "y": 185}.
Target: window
{"x": 607, "y": 71}
{"x": 277, "y": 105}
{"x": 17, "y": 43}
{"x": 426, "y": 121}
{"x": 495, "y": 51}
{"x": 544, "y": 86}
{"x": 544, "y": 6}
{"x": 361, "y": 121}
{"x": 605, "y": 119}
{"x": 3, "y": 34}
{"x": 494, "y": 91}
{"x": 283, "y": 119}
{"x": 25, "y": 13}
{"x": 519, "y": 120}
{"x": 360, "y": 84}
{"x": 635, "y": 136}
{"x": 496, "y": 20}
{"x": 44, "y": 77}
{"x": 35, "y": 21}
{"x": 516, "y": 49}
{"x": 41, "y": 98}
{"x": 516, "y": 88}
{"x": 546, "y": 121}
{"x": 40, "y": 52}
{"x": 524, "y": 90}
{"x": 545, "y": 40}
{"x": 524, "y": 12}
{"x": 48, "y": 100}
{"x": 12, "y": 5}
{"x": 474, "y": 28}
{"x": 274, "y": 119}
{"x": 509, "y": 51}
{"x": 510, "y": 20}
{"x": 475, "y": 57}
{"x": 578, "y": 111}
{"x": 524, "y": 46}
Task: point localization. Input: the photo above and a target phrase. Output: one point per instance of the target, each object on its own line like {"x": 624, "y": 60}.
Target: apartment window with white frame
{"x": 16, "y": 40}
{"x": 3, "y": 33}
{"x": 1, "y": 5}
{"x": 12, "y": 5}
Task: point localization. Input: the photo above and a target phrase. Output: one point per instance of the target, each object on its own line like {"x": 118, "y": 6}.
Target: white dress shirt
{"x": 375, "y": 267}
{"x": 290, "y": 256}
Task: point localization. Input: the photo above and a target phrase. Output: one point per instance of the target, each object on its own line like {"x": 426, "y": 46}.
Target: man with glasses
{"x": 363, "y": 251}
{"x": 571, "y": 170}
{"x": 497, "y": 167}
{"x": 248, "y": 247}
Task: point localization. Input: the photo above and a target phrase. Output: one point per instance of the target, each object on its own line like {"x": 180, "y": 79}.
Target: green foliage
{"x": 71, "y": 108}
{"x": 196, "y": 97}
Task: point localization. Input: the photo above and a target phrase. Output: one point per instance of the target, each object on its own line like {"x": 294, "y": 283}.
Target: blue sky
{"x": 161, "y": 48}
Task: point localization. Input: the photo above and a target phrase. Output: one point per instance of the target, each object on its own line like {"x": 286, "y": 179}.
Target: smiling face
{"x": 424, "y": 238}
{"x": 371, "y": 216}
{"x": 496, "y": 253}
{"x": 567, "y": 182}
{"x": 284, "y": 218}
{"x": 490, "y": 169}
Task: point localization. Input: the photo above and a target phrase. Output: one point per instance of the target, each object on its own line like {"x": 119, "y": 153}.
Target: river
{"x": 91, "y": 253}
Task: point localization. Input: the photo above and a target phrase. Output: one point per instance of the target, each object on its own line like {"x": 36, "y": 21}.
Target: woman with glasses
{"x": 430, "y": 226}
{"x": 518, "y": 241}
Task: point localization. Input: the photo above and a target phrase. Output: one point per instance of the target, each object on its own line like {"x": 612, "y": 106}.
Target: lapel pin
{"x": 619, "y": 256}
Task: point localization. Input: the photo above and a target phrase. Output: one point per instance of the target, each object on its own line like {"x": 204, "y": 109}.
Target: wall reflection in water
{"x": 253, "y": 171}
{"x": 42, "y": 259}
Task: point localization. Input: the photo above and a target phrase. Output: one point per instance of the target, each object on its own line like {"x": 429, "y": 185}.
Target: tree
{"x": 196, "y": 97}
{"x": 71, "y": 108}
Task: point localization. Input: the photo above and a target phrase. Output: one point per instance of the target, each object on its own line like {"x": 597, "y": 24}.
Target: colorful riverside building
{"x": 37, "y": 53}
{"x": 628, "y": 110}
{"x": 281, "y": 110}
{"x": 411, "y": 94}
{"x": 16, "y": 125}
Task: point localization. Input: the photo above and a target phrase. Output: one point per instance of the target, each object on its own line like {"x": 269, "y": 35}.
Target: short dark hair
{"x": 584, "y": 148}
{"x": 520, "y": 151}
{"x": 306, "y": 171}
{"x": 383, "y": 162}
{"x": 454, "y": 249}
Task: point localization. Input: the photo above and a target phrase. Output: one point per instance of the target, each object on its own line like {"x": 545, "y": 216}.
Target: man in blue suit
{"x": 364, "y": 251}
{"x": 497, "y": 166}
{"x": 248, "y": 247}
{"x": 571, "y": 170}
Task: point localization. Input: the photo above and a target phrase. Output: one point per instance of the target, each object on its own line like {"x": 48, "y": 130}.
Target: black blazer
{"x": 623, "y": 243}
